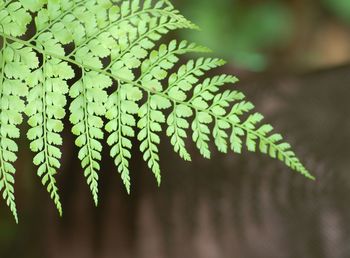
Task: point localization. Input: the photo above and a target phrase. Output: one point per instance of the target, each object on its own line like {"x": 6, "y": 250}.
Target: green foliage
{"x": 247, "y": 29}
{"x": 123, "y": 79}
{"x": 341, "y": 8}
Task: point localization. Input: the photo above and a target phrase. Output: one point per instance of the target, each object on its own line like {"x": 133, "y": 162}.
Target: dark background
{"x": 293, "y": 59}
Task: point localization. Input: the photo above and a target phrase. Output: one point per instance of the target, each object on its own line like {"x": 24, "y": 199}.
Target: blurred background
{"x": 293, "y": 59}
{"x": 278, "y": 35}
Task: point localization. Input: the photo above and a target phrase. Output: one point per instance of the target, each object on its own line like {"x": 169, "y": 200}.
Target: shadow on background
{"x": 230, "y": 206}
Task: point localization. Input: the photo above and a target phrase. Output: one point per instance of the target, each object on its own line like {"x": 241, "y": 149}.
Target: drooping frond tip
{"x": 114, "y": 46}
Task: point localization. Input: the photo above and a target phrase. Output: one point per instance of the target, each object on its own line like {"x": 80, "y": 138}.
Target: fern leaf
{"x": 46, "y": 102}
{"x": 124, "y": 78}
{"x": 89, "y": 96}
{"x": 121, "y": 106}
{"x": 16, "y": 62}
{"x": 14, "y": 18}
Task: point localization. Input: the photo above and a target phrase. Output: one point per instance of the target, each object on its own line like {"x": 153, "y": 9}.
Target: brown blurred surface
{"x": 231, "y": 206}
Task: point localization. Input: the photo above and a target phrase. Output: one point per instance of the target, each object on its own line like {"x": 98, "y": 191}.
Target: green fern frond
{"x": 123, "y": 78}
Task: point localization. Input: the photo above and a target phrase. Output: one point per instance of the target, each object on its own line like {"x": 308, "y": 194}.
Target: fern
{"x": 113, "y": 45}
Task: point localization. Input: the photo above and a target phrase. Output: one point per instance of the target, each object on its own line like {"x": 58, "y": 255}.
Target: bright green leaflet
{"x": 113, "y": 45}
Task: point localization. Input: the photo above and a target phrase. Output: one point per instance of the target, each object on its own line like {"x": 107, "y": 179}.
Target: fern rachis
{"x": 113, "y": 45}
